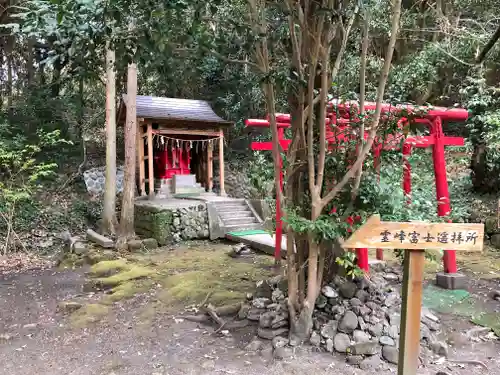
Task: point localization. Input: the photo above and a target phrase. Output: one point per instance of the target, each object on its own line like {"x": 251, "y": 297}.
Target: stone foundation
{"x": 172, "y": 220}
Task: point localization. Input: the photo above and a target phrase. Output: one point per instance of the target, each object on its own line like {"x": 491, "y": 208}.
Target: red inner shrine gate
{"x": 339, "y": 116}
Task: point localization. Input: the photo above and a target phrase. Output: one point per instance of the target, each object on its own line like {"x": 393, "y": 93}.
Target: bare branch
{"x": 362, "y": 96}
{"x": 378, "y": 109}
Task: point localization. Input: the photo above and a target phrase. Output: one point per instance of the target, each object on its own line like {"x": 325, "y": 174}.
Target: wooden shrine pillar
{"x": 210, "y": 167}
{"x": 221, "y": 163}
{"x": 140, "y": 160}
{"x": 151, "y": 178}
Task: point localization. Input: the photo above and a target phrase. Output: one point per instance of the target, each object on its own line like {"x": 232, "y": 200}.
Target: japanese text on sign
{"x": 440, "y": 237}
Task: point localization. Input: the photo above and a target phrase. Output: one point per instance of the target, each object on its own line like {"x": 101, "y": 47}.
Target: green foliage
{"x": 348, "y": 262}
{"x": 483, "y": 102}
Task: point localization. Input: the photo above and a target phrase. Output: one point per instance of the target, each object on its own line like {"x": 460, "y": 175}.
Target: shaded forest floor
{"x": 143, "y": 335}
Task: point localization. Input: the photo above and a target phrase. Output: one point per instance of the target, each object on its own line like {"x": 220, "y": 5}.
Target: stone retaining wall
{"x": 172, "y": 223}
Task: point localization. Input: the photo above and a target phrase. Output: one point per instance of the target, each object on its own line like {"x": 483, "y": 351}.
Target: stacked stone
{"x": 168, "y": 225}
{"x": 95, "y": 180}
{"x": 361, "y": 319}
{"x": 190, "y": 223}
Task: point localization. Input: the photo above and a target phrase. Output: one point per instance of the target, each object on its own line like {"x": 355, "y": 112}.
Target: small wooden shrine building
{"x": 176, "y": 137}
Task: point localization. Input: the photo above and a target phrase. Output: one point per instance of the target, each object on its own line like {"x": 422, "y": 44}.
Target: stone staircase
{"x": 231, "y": 215}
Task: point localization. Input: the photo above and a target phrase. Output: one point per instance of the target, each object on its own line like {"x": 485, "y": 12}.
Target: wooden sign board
{"x": 417, "y": 236}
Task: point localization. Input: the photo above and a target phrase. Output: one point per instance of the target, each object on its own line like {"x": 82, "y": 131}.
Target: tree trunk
{"x": 127, "y": 214}
{"x": 30, "y": 57}
{"x": 109, "y": 221}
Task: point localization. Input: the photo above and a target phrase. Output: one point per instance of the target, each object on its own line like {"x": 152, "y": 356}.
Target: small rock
{"x": 393, "y": 331}
{"x": 134, "y": 245}
{"x": 283, "y": 353}
{"x": 394, "y": 318}
{"x": 266, "y": 319}
{"x": 337, "y": 309}
{"x": 370, "y": 363}
{"x": 315, "y": 339}
{"x": 280, "y": 320}
{"x": 254, "y": 346}
{"x": 348, "y": 323}
{"x": 150, "y": 243}
{"x": 329, "y": 329}
{"x": 80, "y": 248}
{"x": 361, "y": 323}
{"x": 391, "y": 300}
{"x": 433, "y": 326}
{"x": 69, "y": 306}
{"x": 354, "y": 360}
{"x": 348, "y": 289}
{"x": 341, "y": 342}
{"x": 386, "y": 340}
{"x": 244, "y": 310}
{"x": 391, "y": 277}
{"x": 254, "y": 314}
{"x": 376, "y": 329}
{"x": 30, "y": 326}
{"x": 355, "y": 302}
{"x": 269, "y": 334}
{"x": 360, "y": 336}
{"x": 365, "y": 348}
{"x": 279, "y": 342}
{"x": 329, "y": 292}
{"x": 261, "y": 302}
{"x": 440, "y": 348}
{"x": 321, "y": 302}
{"x": 264, "y": 290}
{"x": 329, "y": 345}
{"x": 429, "y": 315}
{"x": 277, "y": 296}
{"x": 372, "y": 319}
{"x": 364, "y": 311}
{"x": 390, "y": 354}
{"x": 362, "y": 295}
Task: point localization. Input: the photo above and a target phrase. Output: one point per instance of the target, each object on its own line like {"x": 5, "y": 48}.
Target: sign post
{"x": 415, "y": 237}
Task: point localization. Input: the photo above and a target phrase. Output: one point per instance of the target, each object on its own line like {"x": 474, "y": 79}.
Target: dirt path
{"x": 135, "y": 339}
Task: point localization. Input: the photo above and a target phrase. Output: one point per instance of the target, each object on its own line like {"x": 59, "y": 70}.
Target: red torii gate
{"x": 430, "y": 116}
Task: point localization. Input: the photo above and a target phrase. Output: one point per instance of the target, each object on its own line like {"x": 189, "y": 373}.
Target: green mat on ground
{"x": 461, "y": 303}
{"x": 247, "y": 232}
{"x": 443, "y": 300}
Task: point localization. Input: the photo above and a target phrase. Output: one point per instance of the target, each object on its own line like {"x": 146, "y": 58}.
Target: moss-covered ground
{"x": 180, "y": 277}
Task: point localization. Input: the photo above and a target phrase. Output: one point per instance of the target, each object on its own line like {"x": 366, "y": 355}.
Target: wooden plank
{"x": 409, "y": 341}
{"x": 221, "y": 163}
{"x": 212, "y": 133}
{"x": 268, "y": 146}
{"x": 150, "y": 160}
{"x": 141, "y": 158}
{"x": 210, "y": 167}
{"x": 417, "y": 235}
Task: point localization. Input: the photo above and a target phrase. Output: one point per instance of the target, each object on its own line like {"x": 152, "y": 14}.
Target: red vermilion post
{"x": 407, "y": 172}
{"x": 362, "y": 255}
{"x": 442, "y": 193}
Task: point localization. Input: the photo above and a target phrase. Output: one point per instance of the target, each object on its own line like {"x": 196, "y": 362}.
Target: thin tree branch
{"x": 396, "y": 10}
{"x": 362, "y": 96}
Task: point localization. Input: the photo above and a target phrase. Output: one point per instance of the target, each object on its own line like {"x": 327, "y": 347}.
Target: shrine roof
{"x": 173, "y": 109}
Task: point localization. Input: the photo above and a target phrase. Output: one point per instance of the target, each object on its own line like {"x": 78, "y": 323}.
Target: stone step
{"x": 230, "y": 201}
{"x": 231, "y": 208}
{"x": 239, "y": 221}
{"x": 235, "y": 214}
{"x": 236, "y": 228}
